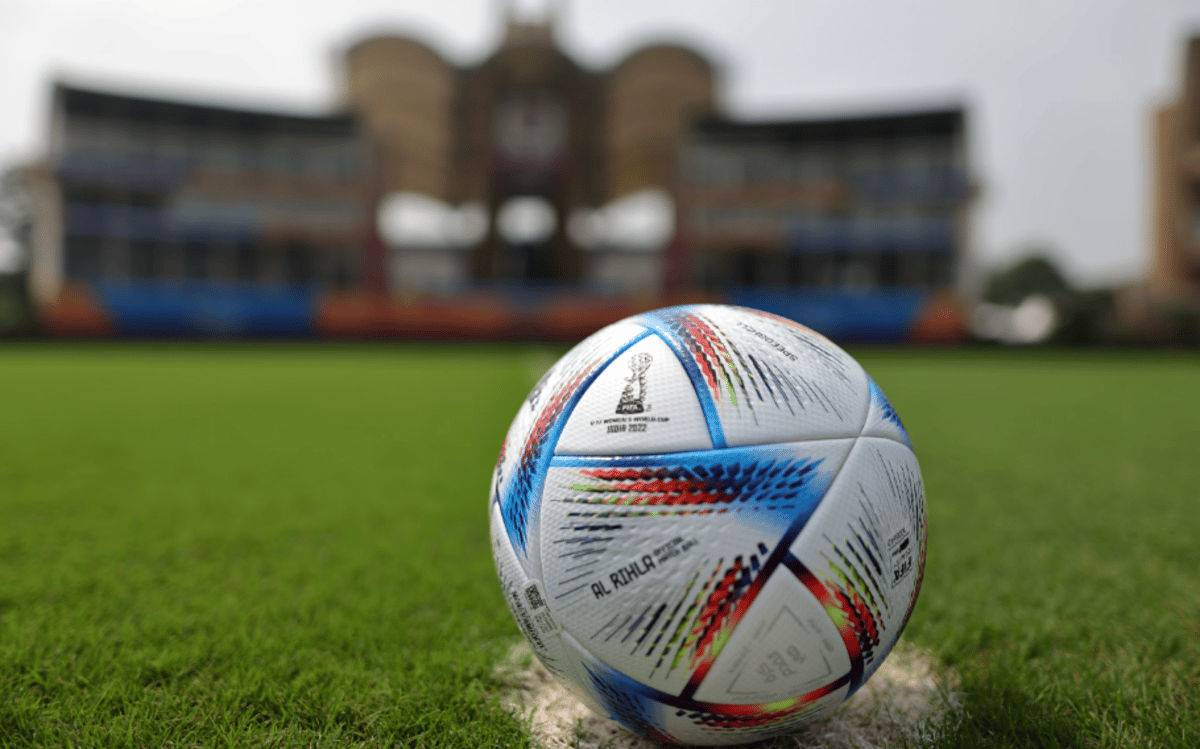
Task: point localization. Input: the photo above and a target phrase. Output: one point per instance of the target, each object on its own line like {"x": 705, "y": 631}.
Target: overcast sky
{"x": 1059, "y": 92}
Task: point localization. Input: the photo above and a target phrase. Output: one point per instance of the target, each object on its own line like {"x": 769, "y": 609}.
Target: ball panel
{"x": 639, "y": 708}
{"x": 535, "y": 621}
{"x": 525, "y": 453}
{"x": 863, "y": 551}
{"x": 651, "y": 561}
{"x": 762, "y": 379}
{"x": 526, "y": 602}
{"x": 882, "y": 420}
{"x": 685, "y": 720}
{"x": 643, "y": 402}
{"x": 785, "y": 646}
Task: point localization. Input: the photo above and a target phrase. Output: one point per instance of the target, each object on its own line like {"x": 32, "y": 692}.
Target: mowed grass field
{"x": 288, "y": 546}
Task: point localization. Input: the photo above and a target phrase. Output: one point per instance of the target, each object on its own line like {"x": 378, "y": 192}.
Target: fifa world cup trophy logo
{"x": 634, "y": 395}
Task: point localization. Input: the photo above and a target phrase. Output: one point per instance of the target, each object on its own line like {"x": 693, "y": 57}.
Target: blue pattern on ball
{"x": 880, "y": 401}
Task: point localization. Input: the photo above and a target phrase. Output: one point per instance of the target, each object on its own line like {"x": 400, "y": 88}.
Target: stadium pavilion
{"x": 496, "y": 199}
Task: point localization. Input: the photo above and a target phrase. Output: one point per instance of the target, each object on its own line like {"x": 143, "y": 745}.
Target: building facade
{"x": 527, "y": 122}
{"x": 182, "y": 210}
{"x": 161, "y": 217}
{"x": 864, "y": 217}
{"x": 1174, "y": 281}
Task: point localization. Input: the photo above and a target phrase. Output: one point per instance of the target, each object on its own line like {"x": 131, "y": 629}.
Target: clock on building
{"x": 531, "y": 127}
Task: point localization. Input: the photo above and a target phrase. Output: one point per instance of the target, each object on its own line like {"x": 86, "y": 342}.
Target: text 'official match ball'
{"x": 710, "y": 524}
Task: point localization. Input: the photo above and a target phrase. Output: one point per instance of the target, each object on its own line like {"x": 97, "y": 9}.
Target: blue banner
{"x": 191, "y": 309}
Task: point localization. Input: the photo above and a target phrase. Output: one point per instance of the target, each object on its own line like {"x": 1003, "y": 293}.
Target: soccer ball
{"x": 709, "y": 523}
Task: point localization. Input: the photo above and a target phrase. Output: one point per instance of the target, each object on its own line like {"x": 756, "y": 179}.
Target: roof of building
{"x": 85, "y": 102}
{"x": 946, "y": 121}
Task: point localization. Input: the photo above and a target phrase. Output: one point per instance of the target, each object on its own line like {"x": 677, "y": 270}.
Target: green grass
{"x": 1063, "y": 578}
{"x": 205, "y": 548}
{"x": 288, "y": 546}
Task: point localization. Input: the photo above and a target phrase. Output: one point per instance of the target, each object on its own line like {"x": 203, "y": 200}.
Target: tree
{"x": 15, "y": 223}
{"x": 1033, "y": 275}
{"x": 1084, "y": 317}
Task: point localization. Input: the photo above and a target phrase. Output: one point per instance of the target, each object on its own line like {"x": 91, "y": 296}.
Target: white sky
{"x": 1060, "y": 92}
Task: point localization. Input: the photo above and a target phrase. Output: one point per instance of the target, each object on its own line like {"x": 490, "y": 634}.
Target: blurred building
{"x": 526, "y": 123}
{"x": 1175, "y": 273}
{"x": 863, "y": 218}
{"x": 188, "y": 218}
{"x": 545, "y": 199}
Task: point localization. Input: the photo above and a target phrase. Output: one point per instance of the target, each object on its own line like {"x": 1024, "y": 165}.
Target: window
{"x": 866, "y": 156}
{"x": 297, "y": 163}
{"x": 889, "y": 269}
{"x": 353, "y": 163}
{"x": 143, "y": 259}
{"x": 85, "y": 197}
{"x": 246, "y": 262}
{"x": 746, "y": 268}
{"x": 195, "y": 261}
{"x": 807, "y": 269}
{"x": 772, "y": 268}
{"x": 298, "y": 264}
{"x": 343, "y": 269}
{"x": 914, "y": 269}
{"x": 914, "y": 155}
{"x": 941, "y": 269}
{"x": 251, "y": 157}
{"x": 817, "y": 161}
{"x": 795, "y": 270}
{"x": 856, "y": 271}
{"x": 83, "y": 258}
{"x": 942, "y": 153}
{"x": 143, "y": 200}
{"x": 114, "y": 258}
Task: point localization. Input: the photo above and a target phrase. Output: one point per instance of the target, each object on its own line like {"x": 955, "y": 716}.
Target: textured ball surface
{"x": 710, "y": 524}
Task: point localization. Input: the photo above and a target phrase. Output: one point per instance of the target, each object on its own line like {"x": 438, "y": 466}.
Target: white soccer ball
{"x": 710, "y": 524}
